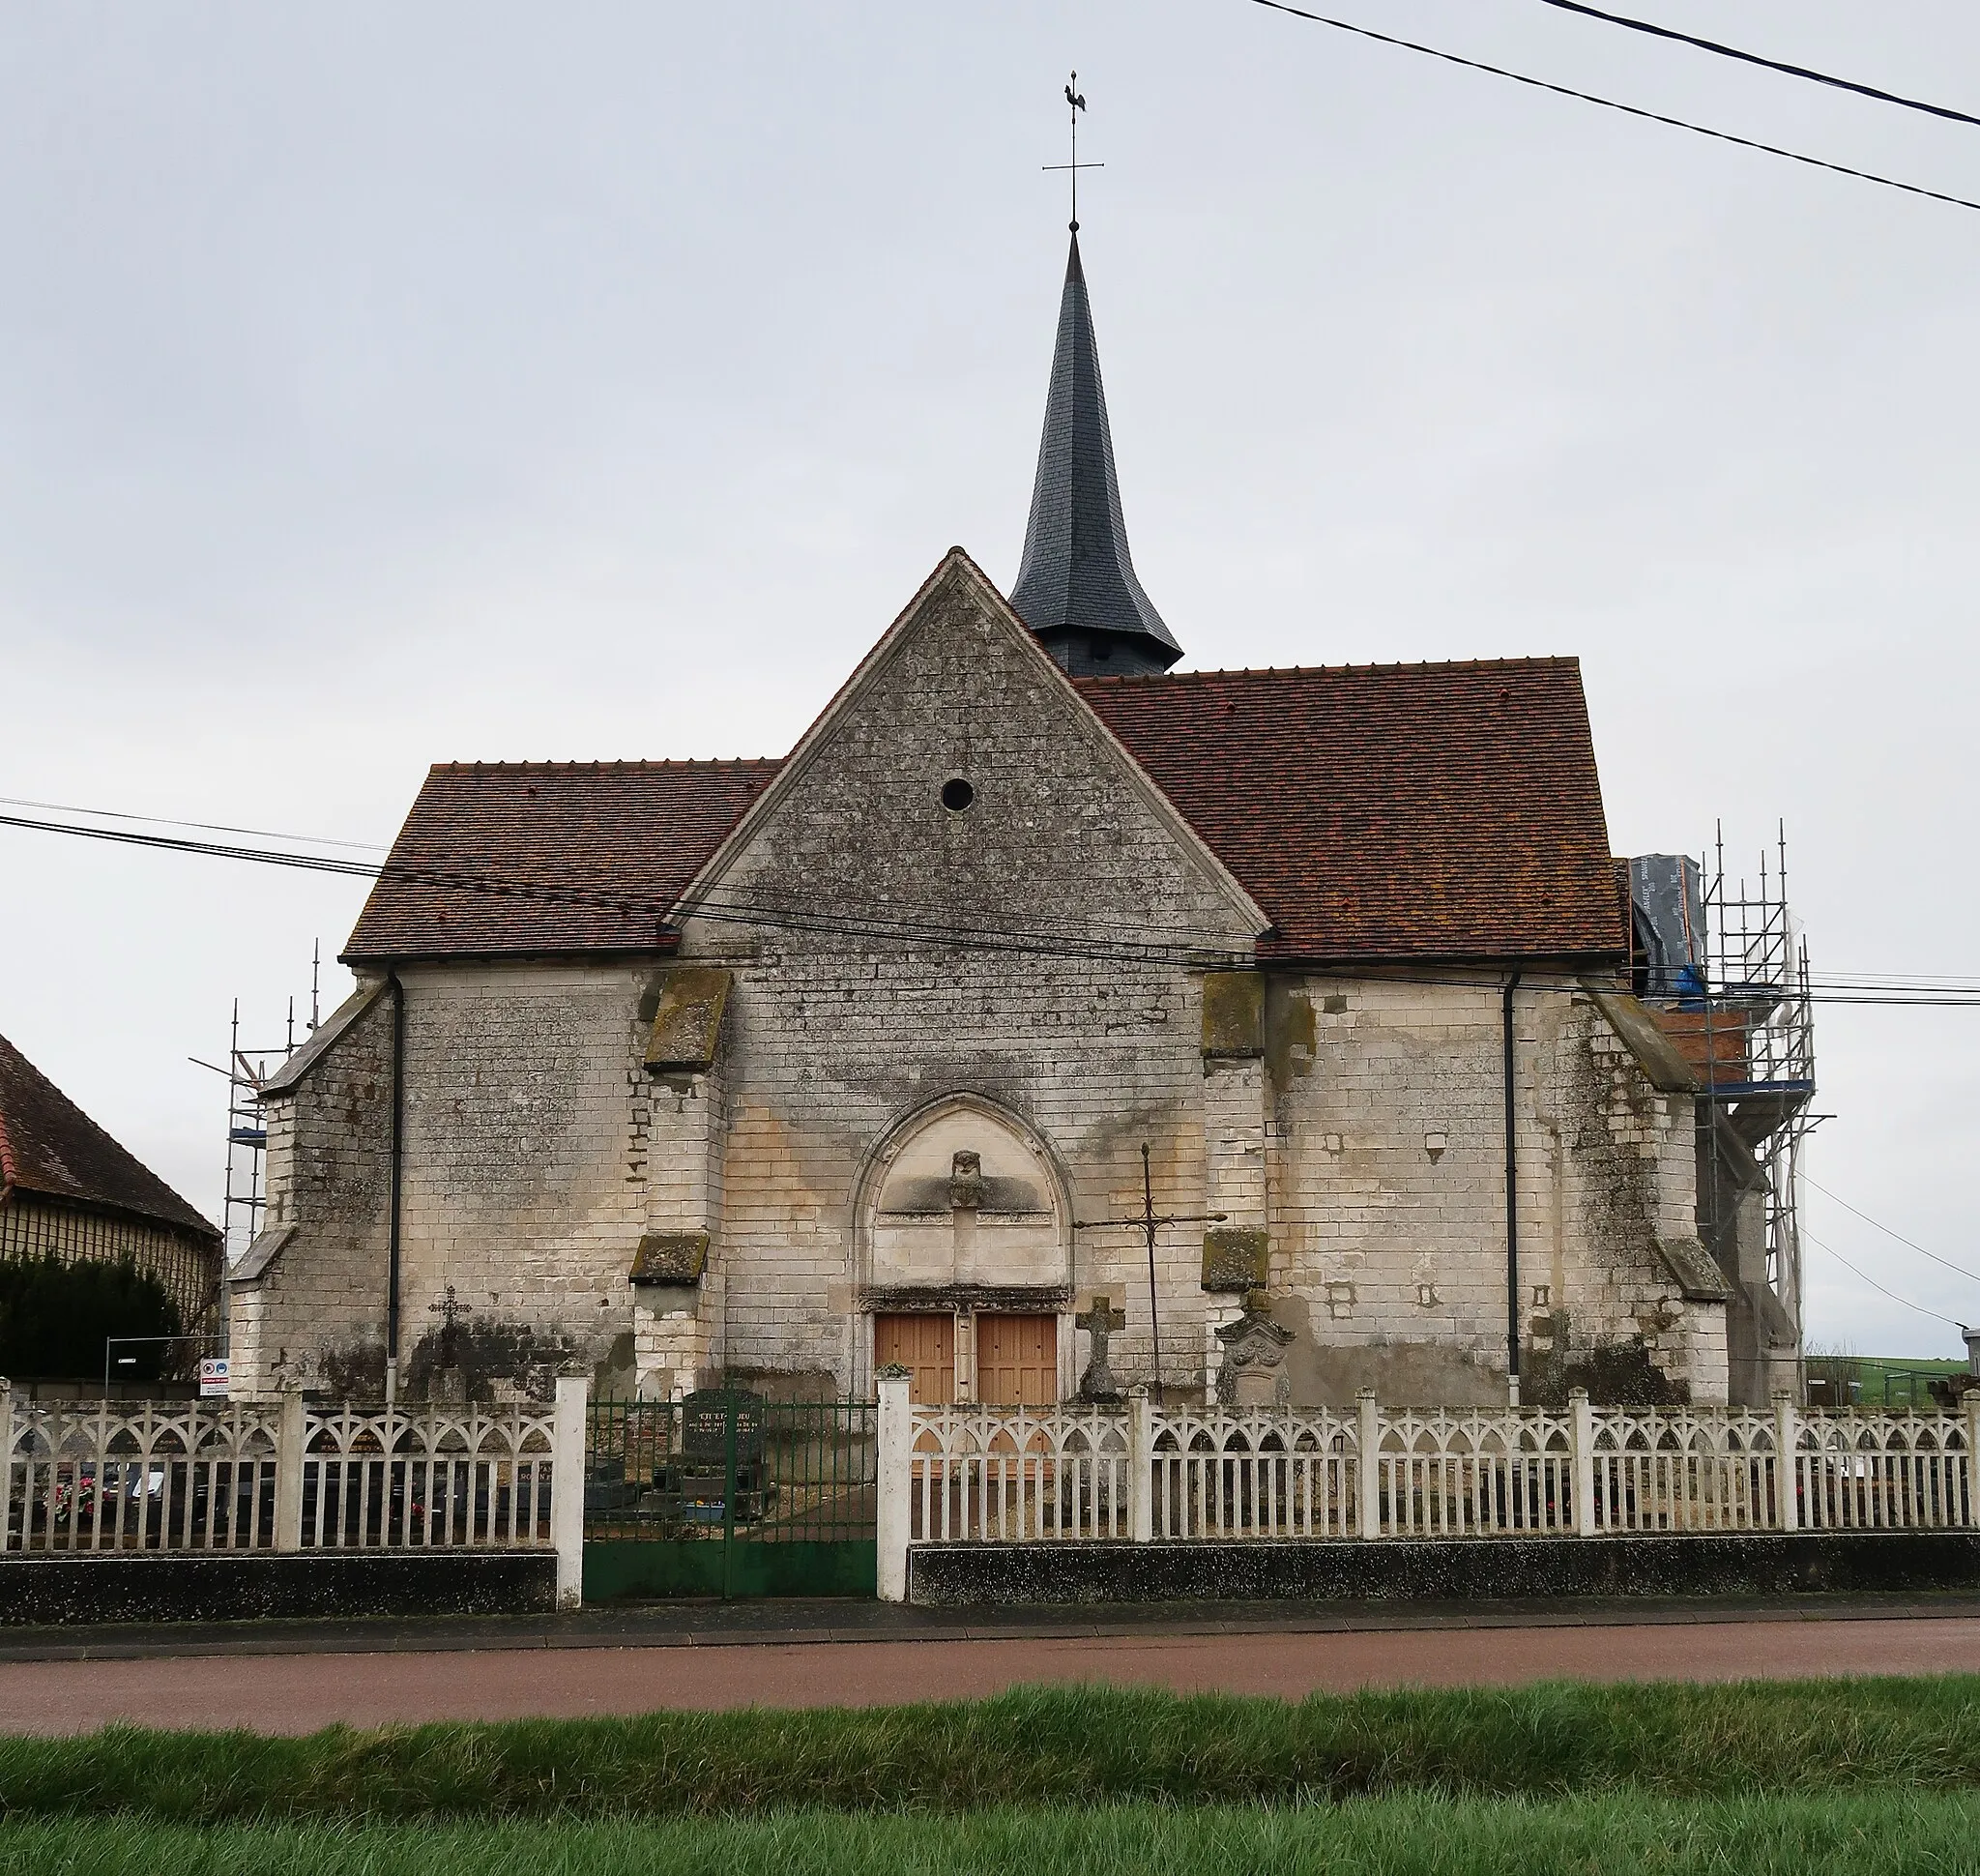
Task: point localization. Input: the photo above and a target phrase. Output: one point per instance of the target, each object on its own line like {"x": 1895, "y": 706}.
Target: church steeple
{"x": 1076, "y": 586}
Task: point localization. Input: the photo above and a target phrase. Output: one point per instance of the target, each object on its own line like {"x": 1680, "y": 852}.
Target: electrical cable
{"x": 1973, "y": 1276}
{"x": 903, "y": 924}
{"x": 1725, "y": 51}
{"x": 1610, "y": 103}
{"x": 1194, "y": 947}
{"x": 205, "y": 827}
{"x": 1873, "y": 1283}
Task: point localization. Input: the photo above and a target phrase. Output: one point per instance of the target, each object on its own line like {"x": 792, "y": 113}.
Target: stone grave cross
{"x": 1100, "y": 1321}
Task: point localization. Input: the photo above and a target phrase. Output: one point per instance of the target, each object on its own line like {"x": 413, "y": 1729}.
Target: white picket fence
{"x": 293, "y": 1476}
{"x": 1148, "y": 1474}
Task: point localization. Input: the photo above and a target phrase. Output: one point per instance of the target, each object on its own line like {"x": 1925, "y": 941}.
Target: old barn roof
{"x": 1386, "y": 811}
{"x": 50, "y": 1147}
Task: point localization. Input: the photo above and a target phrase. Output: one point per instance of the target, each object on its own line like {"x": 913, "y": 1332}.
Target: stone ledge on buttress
{"x": 1235, "y": 1259}
{"x": 1233, "y": 1015}
{"x": 688, "y": 1022}
{"x": 672, "y": 1258}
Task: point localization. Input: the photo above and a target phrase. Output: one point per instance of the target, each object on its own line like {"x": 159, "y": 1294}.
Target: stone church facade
{"x": 879, "y": 1053}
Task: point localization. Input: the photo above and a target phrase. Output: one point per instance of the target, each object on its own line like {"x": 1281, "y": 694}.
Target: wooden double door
{"x": 1017, "y": 1357}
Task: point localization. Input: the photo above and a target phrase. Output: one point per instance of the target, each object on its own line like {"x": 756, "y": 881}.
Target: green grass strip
{"x": 1407, "y": 1836}
{"x": 1062, "y": 1745}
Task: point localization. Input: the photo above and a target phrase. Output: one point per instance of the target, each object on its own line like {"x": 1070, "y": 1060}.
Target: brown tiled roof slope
{"x": 1394, "y": 810}
{"x": 600, "y": 847}
{"x": 1403, "y": 810}
{"x": 49, "y": 1146}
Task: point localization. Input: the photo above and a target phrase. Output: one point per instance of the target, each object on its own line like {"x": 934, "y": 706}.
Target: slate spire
{"x": 1076, "y": 587}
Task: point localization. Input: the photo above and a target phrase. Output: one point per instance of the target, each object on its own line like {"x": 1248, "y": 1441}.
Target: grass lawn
{"x": 1062, "y": 1746}
{"x": 1800, "y": 1778}
{"x": 1409, "y": 1834}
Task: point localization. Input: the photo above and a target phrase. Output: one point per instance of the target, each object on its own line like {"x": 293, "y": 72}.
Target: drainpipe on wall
{"x": 399, "y": 1132}
{"x": 1512, "y": 1195}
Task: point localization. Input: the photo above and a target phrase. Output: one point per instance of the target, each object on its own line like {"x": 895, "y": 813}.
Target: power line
{"x": 1610, "y": 103}
{"x": 205, "y": 827}
{"x": 1970, "y": 1275}
{"x": 1873, "y": 1283}
{"x": 906, "y": 924}
{"x": 1177, "y": 947}
{"x": 1754, "y": 58}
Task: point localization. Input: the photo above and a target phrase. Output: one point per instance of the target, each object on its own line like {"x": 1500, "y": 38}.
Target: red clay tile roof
{"x": 1392, "y": 810}
{"x": 49, "y": 1146}
{"x": 599, "y": 846}
{"x": 1399, "y": 812}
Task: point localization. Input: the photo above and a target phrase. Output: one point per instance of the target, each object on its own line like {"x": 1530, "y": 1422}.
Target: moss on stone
{"x": 687, "y": 1024}
{"x": 1233, "y": 1014}
{"x": 671, "y": 1257}
{"x": 1233, "y": 1258}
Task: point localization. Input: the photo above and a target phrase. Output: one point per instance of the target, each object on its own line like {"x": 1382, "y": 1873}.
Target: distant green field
{"x": 1409, "y": 1835}
{"x": 1880, "y": 1381}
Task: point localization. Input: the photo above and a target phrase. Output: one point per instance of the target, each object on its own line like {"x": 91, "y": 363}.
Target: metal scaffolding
{"x": 247, "y": 1071}
{"x": 1760, "y": 1047}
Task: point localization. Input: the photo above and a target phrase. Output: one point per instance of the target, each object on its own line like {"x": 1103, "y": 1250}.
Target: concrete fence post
{"x": 1140, "y": 1466}
{"x": 1368, "y": 1466}
{"x": 1787, "y": 1465}
{"x": 1582, "y": 1443}
{"x": 1973, "y": 1455}
{"x": 567, "y": 1487}
{"x": 291, "y": 1439}
{"x": 7, "y": 1464}
{"x": 894, "y": 1509}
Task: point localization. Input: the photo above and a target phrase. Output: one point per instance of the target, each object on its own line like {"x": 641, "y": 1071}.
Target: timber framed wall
{"x": 188, "y": 1267}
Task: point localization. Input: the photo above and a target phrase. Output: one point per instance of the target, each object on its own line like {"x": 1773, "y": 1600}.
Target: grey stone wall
{"x": 1389, "y": 1191}
{"x": 1363, "y": 1133}
{"x": 838, "y": 1040}
{"x": 319, "y": 1313}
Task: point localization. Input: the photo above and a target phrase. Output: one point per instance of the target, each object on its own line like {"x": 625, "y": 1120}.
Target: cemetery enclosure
{"x": 720, "y": 1494}
{"x": 1139, "y": 1475}
{"x": 289, "y": 1477}
{"x": 725, "y": 1493}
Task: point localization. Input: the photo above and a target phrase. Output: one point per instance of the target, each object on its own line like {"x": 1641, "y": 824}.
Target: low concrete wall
{"x": 245, "y": 1586}
{"x": 1455, "y": 1569}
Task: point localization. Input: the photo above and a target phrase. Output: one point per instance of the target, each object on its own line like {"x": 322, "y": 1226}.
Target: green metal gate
{"x": 727, "y": 1494}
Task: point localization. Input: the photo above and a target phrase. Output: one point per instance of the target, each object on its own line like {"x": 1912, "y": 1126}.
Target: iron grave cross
{"x": 1149, "y": 1221}
{"x": 1076, "y": 103}
{"x": 450, "y": 1309}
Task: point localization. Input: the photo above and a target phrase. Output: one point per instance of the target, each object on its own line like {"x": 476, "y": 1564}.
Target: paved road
{"x": 299, "y": 1693}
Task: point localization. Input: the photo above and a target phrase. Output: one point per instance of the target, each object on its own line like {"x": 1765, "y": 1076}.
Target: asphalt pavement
{"x": 293, "y": 1678}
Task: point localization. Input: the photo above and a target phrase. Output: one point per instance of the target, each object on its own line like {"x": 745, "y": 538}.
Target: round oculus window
{"x": 957, "y": 794}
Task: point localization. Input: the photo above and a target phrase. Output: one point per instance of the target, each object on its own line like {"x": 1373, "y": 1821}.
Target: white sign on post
{"x": 213, "y": 1378}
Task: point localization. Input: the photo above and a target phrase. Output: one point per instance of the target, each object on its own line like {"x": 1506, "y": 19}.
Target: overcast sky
{"x": 385, "y": 384}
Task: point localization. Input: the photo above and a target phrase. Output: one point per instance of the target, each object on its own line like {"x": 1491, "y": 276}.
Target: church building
{"x": 1284, "y": 1003}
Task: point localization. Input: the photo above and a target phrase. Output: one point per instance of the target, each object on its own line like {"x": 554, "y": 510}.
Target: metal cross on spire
{"x": 1075, "y": 104}
{"x": 1149, "y": 1220}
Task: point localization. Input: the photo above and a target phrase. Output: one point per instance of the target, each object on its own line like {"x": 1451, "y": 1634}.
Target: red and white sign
{"x": 213, "y": 1378}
